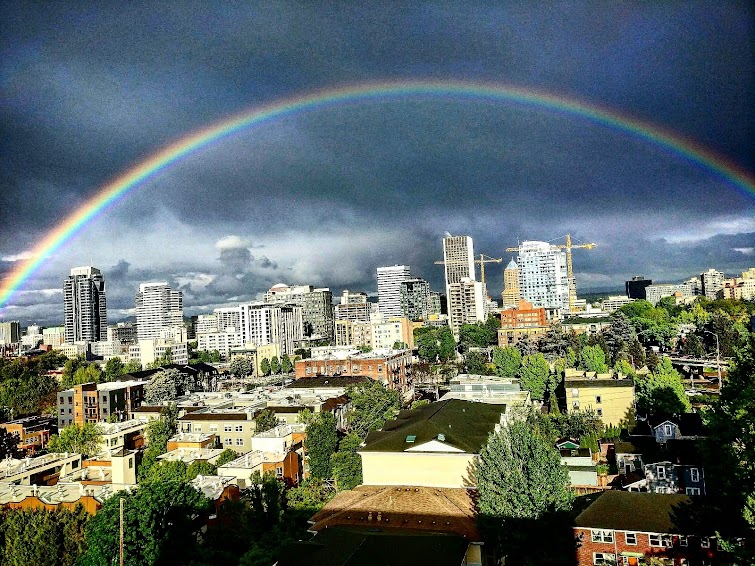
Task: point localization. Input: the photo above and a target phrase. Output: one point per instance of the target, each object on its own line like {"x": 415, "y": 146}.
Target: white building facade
{"x": 389, "y": 281}
{"x": 157, "y": 307}
{"x": 543, "y": 277}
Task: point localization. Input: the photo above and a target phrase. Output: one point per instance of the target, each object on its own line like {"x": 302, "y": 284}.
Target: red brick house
{"x": 628, "y": 528}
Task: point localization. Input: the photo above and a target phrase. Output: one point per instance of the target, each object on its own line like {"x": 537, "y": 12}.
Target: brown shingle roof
{"x": 442, "y": 510}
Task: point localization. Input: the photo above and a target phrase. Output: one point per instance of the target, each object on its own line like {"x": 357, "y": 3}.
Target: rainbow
{"x": 134, "y": 177}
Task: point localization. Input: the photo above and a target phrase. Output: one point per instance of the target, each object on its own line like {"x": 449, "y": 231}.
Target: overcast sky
{"x": 325, "y": 197}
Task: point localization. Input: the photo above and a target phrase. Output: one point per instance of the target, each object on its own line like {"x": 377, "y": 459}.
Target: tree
{"x": 636, "y": 354}
{"x": 286, "y": 366}
{"x": 623, "y": 367}
{"x": 265, "y": 367}
{"x": 593, "y": 358}
{"x": 165, "y": 472}
{"x": 241, "y": 366}
{"x": 227, "y": 455}
{"x": 418, "y": 404}
{"x": 618, "y": 336}
{"x": 200, "y": 468}
{"x": 534, "y": 375}
{"x": 113, "y": 369}
{"x": 446, "y": 344}
{"x": 159, "y": 431}
{"x": 521, "y": 484}
{"x": 159, "y": 526}
{"x": 554, "y": 343}
{"x": 474, "y": 335}
{"x": 507, "y": 361}
{"x": 476, "y": 363}
{"x": 346, "y": 463}
{"x": 662, "y": 391}
{"x": 427, "y": 344}
{"x": 275, "y": 365}
{"x": 265, "y": 420}
{"x": 730, "y": 447}
{"x": 372, "y": 404}
{"x": 81, "y": 439}
{"x": 9, "y": 442}
{"x": 161, "y": 387}
{"x": 81, "y": 372}
{"x": 310, "y": 496}
{"x": 320, "y": 444}
{"x": 693, "y": 346}
{"x": 132, "y": 366}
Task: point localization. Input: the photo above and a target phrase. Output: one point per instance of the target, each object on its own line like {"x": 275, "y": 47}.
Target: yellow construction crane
{"x": 569, "y": 271}
{"x": 482, "y": 261}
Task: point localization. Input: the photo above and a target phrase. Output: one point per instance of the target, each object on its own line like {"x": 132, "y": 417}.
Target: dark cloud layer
{"x": 324, "y": 197}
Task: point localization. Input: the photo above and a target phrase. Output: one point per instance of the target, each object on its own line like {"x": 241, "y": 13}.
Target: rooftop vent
{"x": 411, "y": 438}
{"x": 442, "y": 437}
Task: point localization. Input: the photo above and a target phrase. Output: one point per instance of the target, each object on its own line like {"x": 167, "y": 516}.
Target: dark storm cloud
{"x": 89, "y": 89}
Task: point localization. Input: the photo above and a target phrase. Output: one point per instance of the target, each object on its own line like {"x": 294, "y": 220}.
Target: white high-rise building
{"x": 85, "y": 305}
{"x": 266, "y": 323}
{"x": 458, "y": 258}
{"x": 712, "y": 282}
{"x": 466, "y": 301}
{"x": 389, "y": 288}
{"x": 543, "y": 277}
{"x": 158, "y": 307}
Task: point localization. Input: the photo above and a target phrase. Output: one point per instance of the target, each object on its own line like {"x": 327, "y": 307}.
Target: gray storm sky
{"x": 324, "y": 197}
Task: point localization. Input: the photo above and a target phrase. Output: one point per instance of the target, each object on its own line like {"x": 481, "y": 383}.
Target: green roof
{"x": 658, "y": 513}
{"x": 343, "y": 546}
{"x": 464, "y": 425}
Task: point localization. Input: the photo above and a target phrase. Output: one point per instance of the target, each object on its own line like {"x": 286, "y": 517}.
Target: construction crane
{"x": 482, "y": 261}
{"x": 569, "y": 270}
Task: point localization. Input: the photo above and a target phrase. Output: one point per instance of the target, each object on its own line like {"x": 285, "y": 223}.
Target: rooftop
{"x": 211, "y": 487}
{"x": 190, "y": 455}
{"x": 282, "y": 430}
{"x": 658, "y": 513}
{"x": 313, "y": 382}
{"x": 463, "y": 425}
{"x": 62, "y": 492}
{"x": 122, "y": 427}
{"x": 11, "y": 467}
{"x": 251, "y": 460}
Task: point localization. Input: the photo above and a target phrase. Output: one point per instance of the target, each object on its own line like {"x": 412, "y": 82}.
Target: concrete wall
{"x": 420, "y": 469}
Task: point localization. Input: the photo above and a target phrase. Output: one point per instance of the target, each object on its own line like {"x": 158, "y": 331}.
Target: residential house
{"x": 610, "y": 396}
{"x": 628, "y": 528}
{"x": 432, "y": 446}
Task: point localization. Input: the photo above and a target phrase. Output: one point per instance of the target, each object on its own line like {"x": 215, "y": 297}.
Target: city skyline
{"x": 325, "y": 196}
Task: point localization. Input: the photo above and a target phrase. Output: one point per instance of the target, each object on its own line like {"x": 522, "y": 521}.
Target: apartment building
{"x": 33, "y": 432}
{"x": 391, "y": 367}
{"x": 90, "y": 402}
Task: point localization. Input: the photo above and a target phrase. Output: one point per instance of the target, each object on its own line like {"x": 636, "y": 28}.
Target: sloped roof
{"x": 464, "y": 424}
{"x": 423, "y": 509}
{"x": 512, "y": 264}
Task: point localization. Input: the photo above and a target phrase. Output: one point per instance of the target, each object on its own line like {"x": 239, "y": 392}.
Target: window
{"x": 660, "y": 471}
{"x": 692, "y": 491}
{"x": 279, "y": 471}
{"x": 704, "y": 542}
{"x": 683, "y": 541}
{"x": 603, "y": 558}
{"x": 380, "y": 368}
{"x": 667, "y": 430}
{"x": 695, "y": 475}
{"x": 227, "y": 428}
{"x": 239, "y": 428}
{"x": 130, "y": 463}
{"x": 197, "y": 428}
{"x": 239, "y": 442}
{"x": 213, "y": 428}
{"x": 660, "y": 540}
{"x": 597, "y": 399}
{"x": 630, "y": 538}
{"x": 601, "y": 536}
{"x": 575, "y": 405}
{"x": 599, "y": 412}
{"x": 228, "y": 441}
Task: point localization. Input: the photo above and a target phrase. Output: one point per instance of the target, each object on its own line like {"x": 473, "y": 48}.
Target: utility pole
{"x": 121, "y": 532}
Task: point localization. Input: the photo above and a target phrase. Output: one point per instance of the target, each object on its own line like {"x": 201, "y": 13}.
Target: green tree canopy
{"x": 162, "y": 387}
{"x": 82, "y": 439}
{"x": 520, "y": 480}
{"x": 241, "y": 366}
{"x": 159, "y": 431}
{"x": 507, "y": 361}
{"x": 227, "y": 455}
{"x": 265, "y": 367}
{"x": 275, "y": 365}
{"x": 534, "y": 375}
{"x": 265, "y": 420}
{"x": 346, "y": 463}
{"x": 372, "y": 404}
{"x": 321, "y": 442}
{"x": 592, "y": 358}
{"x": 476, "y": 363}
{"x": 661, "y": 391}
{"x": 286, "y": 365}
{"x": 113, "y": 369}
{"x": 132, "y": 366}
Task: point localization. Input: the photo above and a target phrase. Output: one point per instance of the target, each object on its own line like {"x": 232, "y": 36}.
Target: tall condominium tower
{"x": 543, "y": 279}
{"x": 458, "y": 259}
{"x": 415, "y": 299}
{"x": 511, "y": 294}
{"x": 85, "y": 305}
{"x": 389, "y": 288}
{"x": 317, "y": 305}
{"x": 158, "y": 307}
{"x": 712, "y": 282}
{"x": 467, "y": 304}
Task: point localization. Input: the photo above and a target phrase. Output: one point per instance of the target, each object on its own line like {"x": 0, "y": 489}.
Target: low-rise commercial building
{"x": 391, "y": 367}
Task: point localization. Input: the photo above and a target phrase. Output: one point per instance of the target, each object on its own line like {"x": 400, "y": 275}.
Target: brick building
{"x": 392, "y": 367}
{"x": 523, "y": 322}
{"x": 627, "y": 528}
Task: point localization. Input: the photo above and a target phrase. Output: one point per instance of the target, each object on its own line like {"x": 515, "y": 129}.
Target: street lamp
{"x": 718, "y": 357}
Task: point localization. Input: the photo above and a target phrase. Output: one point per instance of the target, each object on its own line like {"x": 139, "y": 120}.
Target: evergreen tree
{"x": 534, "y": 375}
{"x": 275, "y": 365}
{"x": 347, "y": 464}
{"x": 320, "y": 444}
{"x": 286, "y": 365}
{"x": 265, "y": 367}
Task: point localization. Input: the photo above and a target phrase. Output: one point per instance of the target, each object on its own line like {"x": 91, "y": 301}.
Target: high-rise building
{"x": 635, "y": 287}
{"x": 458, "y": 258}
{"x": 317, "y": 305}
{"x": 543, "y": 279}
{"x": 415, "y": 299}
{"x": 158, "y": 308}
{"x": 10, "y": 332}
{"x": 389, "y": 288}
{"x": 511, "y": 294}
{"x": 466, "y": 302}
{"x": 266, "y": 323}
{"x": 434, "y": 303}
{"x": 123, "y": 332}
{"x": 712, "y": 282}
{"x": 85, "y": 305}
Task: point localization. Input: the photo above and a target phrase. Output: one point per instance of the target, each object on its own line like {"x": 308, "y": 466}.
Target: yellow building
{"x": 432, "y": 446}
{"x": 609, "y": 397}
